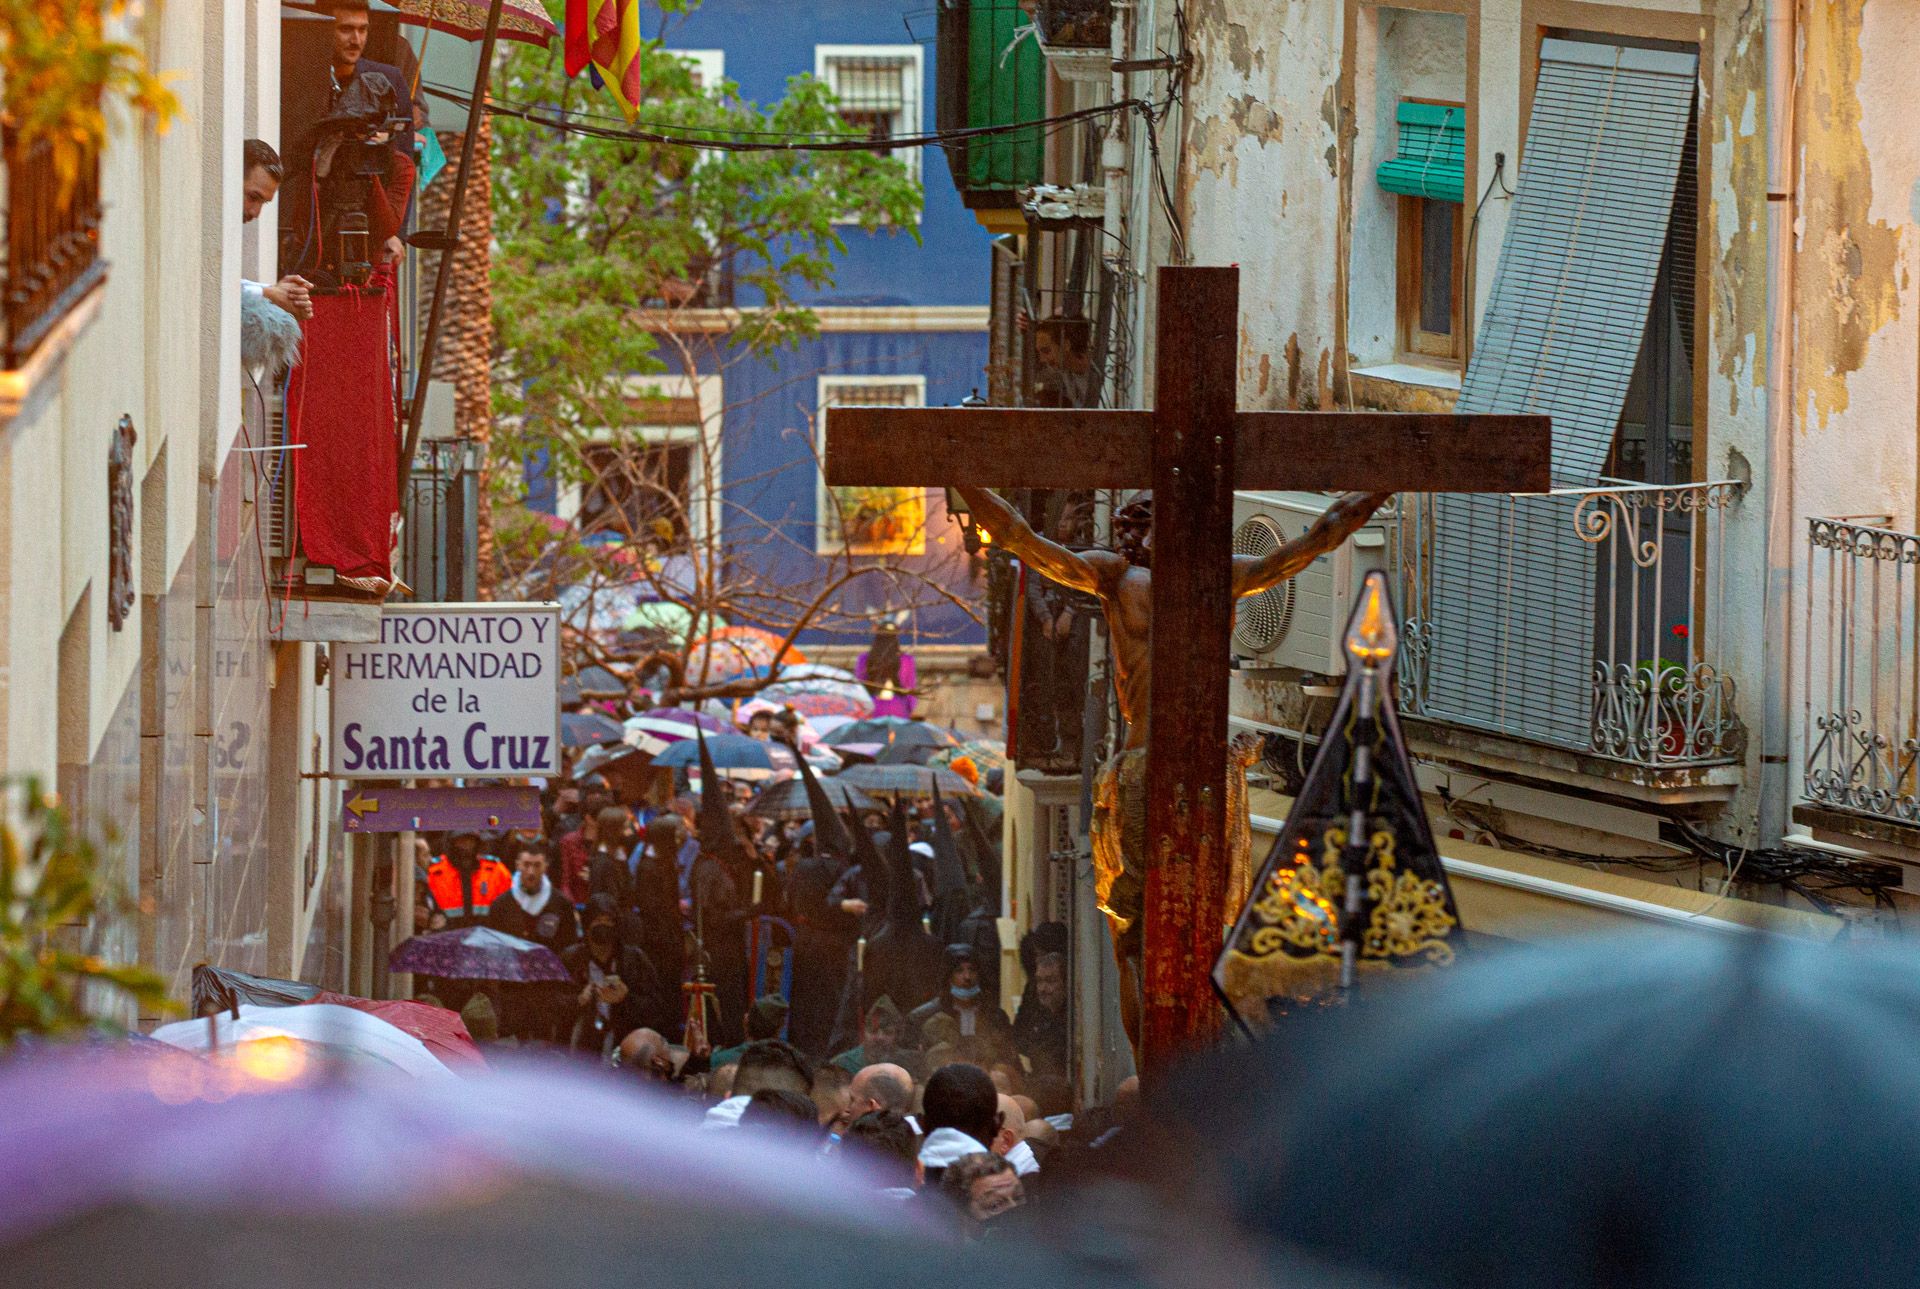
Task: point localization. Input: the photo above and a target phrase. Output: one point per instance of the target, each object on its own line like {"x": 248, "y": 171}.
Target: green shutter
{"x": 1431, "y": 160}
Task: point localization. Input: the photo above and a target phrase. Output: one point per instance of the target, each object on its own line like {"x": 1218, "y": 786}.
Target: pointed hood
{"x": 987, "y": 856}
{"x": 952, "y": 899}
{"x": 903, "y": 884}
{"x": 949, "y": 872}
{"x": 829, "y": 834}
{"x": 717, "y": 835}
{"x": 873, "y": 868}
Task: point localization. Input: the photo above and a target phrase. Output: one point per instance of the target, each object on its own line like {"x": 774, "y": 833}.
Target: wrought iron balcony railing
{"x": 52, "y": 246}
{"x": 1861, "y": 713}
{"x": 1582, "y": 618}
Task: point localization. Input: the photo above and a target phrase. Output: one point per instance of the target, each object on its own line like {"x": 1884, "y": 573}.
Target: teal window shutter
{"x": 1431, "y": 159}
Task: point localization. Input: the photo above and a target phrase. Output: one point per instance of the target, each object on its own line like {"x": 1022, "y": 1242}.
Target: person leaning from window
{"x": 260, "y": 176}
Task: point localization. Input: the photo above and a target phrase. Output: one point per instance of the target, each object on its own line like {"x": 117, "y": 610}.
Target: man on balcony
{"x": 351, "y": 28}
{"x": 261, "y": 173}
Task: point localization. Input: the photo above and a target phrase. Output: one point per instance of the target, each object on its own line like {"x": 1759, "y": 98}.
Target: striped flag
{"x": 613, "y": 28}
{"x": 579, "y": 45}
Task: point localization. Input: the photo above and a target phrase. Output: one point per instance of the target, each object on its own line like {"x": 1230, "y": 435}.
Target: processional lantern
{"x": 1354, "y": 885}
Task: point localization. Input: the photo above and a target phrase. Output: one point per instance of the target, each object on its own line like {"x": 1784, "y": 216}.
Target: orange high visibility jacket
{"x": 491, "y": 879}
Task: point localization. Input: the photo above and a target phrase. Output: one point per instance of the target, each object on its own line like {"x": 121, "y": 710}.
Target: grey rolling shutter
{"x": 1513, "y": 588}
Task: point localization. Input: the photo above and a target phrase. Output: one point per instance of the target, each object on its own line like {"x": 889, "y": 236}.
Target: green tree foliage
{"x": 50, "y": 889}
{"x": 597, "y": 237}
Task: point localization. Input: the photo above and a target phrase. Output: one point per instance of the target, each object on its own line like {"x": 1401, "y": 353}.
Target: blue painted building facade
{"x": 904, "y": 322}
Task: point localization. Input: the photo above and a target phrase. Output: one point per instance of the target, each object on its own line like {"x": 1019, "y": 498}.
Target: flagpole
{"x": 482, "y": 82}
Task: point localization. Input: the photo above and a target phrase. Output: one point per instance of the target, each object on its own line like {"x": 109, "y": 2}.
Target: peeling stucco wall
{"x": 1258, "y": 186}
{"x": 1854, "y": 350}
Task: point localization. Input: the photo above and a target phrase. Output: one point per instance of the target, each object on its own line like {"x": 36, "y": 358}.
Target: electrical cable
{"x": 780, "y": 143}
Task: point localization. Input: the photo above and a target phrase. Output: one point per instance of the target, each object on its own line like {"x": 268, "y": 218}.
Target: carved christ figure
{"x": 1122, "y": 579}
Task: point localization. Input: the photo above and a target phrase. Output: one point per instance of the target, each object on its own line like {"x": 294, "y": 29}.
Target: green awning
{"x": 1431, "y": 160}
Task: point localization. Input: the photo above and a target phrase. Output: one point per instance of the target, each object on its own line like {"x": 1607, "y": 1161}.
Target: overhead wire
{"x": 567, "y": 121}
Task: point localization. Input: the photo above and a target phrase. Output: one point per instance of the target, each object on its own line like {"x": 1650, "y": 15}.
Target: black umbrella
{"x": 586, "y": 729}
{"x": 1682, "y": 1110}
{"x": 591, "y": 682}
{"x": 891, "y": 730}
{"x": 788, "y": 799}
{"x": 904, "y": 780}
{"x": 905, "y": 753}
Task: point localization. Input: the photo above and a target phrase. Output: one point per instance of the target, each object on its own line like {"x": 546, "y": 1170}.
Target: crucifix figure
{"x": 1168, "y": 593}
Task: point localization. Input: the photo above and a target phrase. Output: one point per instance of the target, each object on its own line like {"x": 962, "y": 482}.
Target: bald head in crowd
{"x": 881, "y": 1087}
{"x": 645, "y": 1051}
{"x": 1013, "y": 1126}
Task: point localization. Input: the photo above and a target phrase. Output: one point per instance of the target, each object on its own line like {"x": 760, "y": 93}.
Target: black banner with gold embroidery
{"x": 1353, "y": 884}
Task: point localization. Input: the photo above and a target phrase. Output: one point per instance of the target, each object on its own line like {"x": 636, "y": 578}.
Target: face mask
{"x": 964, "y": 995}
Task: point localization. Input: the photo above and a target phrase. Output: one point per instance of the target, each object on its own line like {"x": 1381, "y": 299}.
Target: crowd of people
{"x": 870, "y": 939}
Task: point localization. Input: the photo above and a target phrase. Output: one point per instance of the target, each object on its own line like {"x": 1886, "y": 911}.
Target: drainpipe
{"x": 1782, "y": 533}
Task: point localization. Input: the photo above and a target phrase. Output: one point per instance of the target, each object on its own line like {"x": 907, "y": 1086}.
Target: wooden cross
{"x": 1194, "y": 448}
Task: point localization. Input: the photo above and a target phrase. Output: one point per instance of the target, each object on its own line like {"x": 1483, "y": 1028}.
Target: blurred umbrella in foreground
{"x": 1681, "y": 1110}
{"x": 477, "y": 953}
{"x": 221, "y": 989}
{"x": 441, "y": 1030}
{"x": 299, "y": 1034}
{"x": 544, "y": 1175}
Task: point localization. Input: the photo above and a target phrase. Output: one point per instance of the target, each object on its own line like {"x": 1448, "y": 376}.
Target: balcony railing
{"x": 1582, "y": 619}
{"x": 1862, "y": 686}
{"x": 52, "y": 246}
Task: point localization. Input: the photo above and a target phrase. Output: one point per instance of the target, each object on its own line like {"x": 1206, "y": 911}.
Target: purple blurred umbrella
{"x": 476, "y": 953}
{"x": 290, "y": 1171}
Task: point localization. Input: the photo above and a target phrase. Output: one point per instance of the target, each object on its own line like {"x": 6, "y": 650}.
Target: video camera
{"x": 352, "y": 150}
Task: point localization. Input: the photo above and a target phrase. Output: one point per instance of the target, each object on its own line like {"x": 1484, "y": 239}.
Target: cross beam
{"x": 1194, "y": 449}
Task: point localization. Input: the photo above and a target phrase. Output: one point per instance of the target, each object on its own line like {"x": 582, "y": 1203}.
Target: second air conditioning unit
{"x": 1296, "y": 624}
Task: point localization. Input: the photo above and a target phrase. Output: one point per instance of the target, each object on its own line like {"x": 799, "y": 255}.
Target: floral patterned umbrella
{"x": 524, "y": 20}
{"x": 476, "y": 953}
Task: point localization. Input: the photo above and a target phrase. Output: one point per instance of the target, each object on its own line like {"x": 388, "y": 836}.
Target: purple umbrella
{"x": 657, "y": 730}
{"x": 476, "y": 953}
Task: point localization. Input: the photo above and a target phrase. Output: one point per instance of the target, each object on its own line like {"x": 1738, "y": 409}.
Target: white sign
{"x": 450, "y": 691}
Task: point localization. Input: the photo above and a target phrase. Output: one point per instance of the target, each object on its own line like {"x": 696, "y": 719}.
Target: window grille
{"x": 870, "y": 520}
{"x": 879, "y": 94}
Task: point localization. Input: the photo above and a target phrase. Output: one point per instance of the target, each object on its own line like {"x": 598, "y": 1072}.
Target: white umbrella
{"x": 361, "y": 1038}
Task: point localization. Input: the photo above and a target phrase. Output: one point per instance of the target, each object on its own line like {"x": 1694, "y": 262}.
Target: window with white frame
{"x": 709, "y": 67}
{"x": 879, "y": 91}
{"x": 649, "y": 483}
{"x": 870, "y": 520}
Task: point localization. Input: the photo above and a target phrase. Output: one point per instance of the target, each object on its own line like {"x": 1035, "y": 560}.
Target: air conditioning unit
{"x": 1296, "y": 624}
{"x": 278, "y": 527}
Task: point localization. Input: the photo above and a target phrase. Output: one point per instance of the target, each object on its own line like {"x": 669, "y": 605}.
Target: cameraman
{"x": 351, "y": 27}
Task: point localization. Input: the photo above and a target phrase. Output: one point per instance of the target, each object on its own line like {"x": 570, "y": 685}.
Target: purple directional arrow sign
{"x": 372, "y": 808}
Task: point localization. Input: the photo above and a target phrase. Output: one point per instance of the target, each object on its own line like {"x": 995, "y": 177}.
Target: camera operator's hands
{"x": 292, "y": 294}
{"x": 393, "y": 250}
